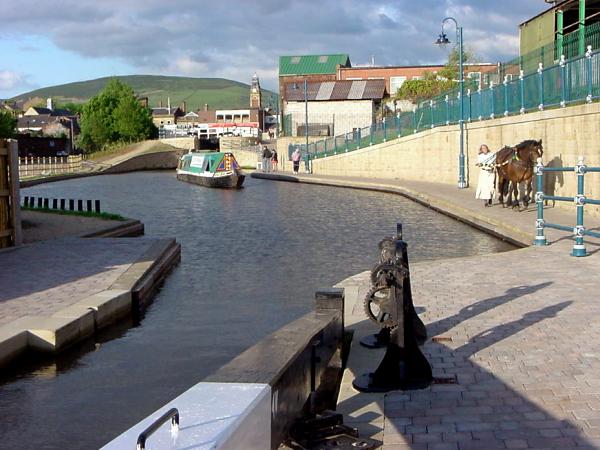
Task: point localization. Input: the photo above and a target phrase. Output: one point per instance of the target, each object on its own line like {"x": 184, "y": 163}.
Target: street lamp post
{"x": 295, "y": 86}
{"x": 306, "y": 124}
{"x": 443, "y": 40}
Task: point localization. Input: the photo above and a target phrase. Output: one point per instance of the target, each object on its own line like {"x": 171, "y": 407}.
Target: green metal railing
{"x": 570, "y": 81}
{"x": 580, "y": 200}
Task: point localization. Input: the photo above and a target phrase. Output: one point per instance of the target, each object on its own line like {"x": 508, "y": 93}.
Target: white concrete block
{"x": 225, "y": 416}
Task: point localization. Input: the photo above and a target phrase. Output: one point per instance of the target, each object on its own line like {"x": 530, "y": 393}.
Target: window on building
{"x": 396, "y": 83}
{"x": 323, "y": 58}
{"x": 474, "y": 76}
{"x": 295, "y": 60}
{"x": 417, "y": 77}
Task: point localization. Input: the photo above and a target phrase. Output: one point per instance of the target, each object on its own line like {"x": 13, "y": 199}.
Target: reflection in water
{"x": 251, "y": 261}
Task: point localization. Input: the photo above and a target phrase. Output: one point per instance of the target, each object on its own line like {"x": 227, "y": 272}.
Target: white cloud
{"x": 11, "y": 80}
{"x": 236, "y": 38}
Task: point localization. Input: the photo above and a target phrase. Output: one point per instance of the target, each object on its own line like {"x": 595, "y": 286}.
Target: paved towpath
{"x": 520, "y": 333}
{"x": 43, "y": 278}
{"x": 518, "y": 227}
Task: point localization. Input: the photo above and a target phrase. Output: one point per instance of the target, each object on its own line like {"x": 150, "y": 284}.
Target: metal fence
{"x": 569, "y": 82}
{"x": 579, "y": 200}
{"x": 34, "y": 166}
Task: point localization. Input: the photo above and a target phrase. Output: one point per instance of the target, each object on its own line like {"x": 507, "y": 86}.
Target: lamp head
{"x": 442, "y": 40}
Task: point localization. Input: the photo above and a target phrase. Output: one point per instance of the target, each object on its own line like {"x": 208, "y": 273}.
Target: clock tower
{"x": 255, "y": 97}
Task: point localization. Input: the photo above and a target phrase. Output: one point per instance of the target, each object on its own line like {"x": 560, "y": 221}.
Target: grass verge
{"x": 102, "y": 215}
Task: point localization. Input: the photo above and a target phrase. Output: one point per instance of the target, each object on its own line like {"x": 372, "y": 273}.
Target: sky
{"x": 49, "y": 42}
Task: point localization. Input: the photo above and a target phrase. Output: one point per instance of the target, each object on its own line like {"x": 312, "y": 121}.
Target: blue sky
{"x": 48, "y": 42}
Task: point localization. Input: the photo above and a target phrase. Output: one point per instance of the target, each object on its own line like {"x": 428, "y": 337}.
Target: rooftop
{"x": 337, "y": 90}
{"x": 312, "y": 64}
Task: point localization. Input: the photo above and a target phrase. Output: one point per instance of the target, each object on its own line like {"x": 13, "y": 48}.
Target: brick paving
{"x": 42, "y": 278}
{"x": 519, "y": 330}
{"x": 520, "y": 334}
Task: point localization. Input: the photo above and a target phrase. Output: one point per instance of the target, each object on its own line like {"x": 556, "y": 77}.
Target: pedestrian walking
{"x": 296, "y": 156}
{"x": 487, "y": 175}
{"x": 266, "y": 157}
{"x": 274, "y": 160}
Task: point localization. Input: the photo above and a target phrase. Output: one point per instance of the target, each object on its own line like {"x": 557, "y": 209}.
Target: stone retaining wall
{"x": 148, "y": 161}
{"x": 433, "y": 155}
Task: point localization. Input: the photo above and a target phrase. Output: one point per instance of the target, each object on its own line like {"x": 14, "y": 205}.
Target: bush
{"x": 114, "y": 116}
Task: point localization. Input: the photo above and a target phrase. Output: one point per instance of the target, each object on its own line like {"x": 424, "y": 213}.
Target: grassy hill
{"x": 217, "y": 92}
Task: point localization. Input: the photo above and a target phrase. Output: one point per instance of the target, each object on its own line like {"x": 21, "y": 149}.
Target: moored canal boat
{"x": 211, "y": 169}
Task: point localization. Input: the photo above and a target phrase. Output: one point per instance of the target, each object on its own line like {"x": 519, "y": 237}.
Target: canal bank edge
{"x": 130, "y": 293}
{"x": 501, "y": 230}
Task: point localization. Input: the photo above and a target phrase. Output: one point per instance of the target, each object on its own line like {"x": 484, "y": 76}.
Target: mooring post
{"x": 79, "y": 205}
{"x": 62, "y": 204}
{"x": 54, "y": 203}
{"x": 39, "y": 202}
{"x": 398, "y": 129}
{"x": 540, "y": 238}
{"x": 384, "y": 129}
{"x": 89, "y": 205}
{"x": 579, "y": 230}
{"x": 403, "y": 366}
{"x": 71, "y": 204}
{"x": 97, "y": 206}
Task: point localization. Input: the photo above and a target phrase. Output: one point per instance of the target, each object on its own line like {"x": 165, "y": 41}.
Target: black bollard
{"x": 26, "y": 201}
{"x": 62, "y": 204}
{"x": 54, "y": 203}
{"x": 39, "y": 202}
{"x": 89, "y": 205}
{"x": 79, "y": 205}
{"x": 71, "y": 204}
{"x": 404, "y": 366}
{"x": 97, "y": 206}
{"x": 46, "y": 203}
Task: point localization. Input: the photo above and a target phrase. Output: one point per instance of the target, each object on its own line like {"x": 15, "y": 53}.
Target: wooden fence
{"x": 35, "y": 166}
{"x": 10, "y": 209}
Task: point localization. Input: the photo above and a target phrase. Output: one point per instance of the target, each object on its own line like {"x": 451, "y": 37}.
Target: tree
{"x": 114, "y": 115}
{"x": 8, "y": 124}
{"x": 432, "y": 85}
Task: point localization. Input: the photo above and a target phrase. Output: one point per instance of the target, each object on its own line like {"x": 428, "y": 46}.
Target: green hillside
{"x": 216, "y": 92}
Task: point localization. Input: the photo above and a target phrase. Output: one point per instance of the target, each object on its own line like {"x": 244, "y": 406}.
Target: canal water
{"x": 251, "y": 261}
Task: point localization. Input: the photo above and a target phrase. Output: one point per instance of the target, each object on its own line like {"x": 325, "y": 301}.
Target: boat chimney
{"x": 169, "y": 104}
{"x": 49, "y": 103}
{"x": 160, "y": 103}
{"x": 206, "y": 107}
{"x": 183, "y": 107}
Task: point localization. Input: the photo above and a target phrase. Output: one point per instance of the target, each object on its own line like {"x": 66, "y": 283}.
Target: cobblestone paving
{"x": 520, "y": 334}
{"x": 42, "y": 278}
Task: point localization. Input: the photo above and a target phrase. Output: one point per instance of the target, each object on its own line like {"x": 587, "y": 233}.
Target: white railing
{"x": 34, "y": 166}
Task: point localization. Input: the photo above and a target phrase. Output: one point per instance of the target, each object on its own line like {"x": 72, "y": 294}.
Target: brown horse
{"x": 515, "y": 166}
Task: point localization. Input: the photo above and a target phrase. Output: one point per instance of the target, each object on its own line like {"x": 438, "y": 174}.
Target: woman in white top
{"x": 487, "y": 175}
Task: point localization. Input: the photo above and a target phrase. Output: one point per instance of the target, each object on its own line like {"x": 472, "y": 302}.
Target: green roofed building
{"x": 313, "y": 68}
{"x": 312, "y": 64}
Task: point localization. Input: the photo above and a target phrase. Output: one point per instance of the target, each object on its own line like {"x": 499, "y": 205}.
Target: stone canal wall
{"x": 148, "y": 161}
{"x": 433, "y": 155}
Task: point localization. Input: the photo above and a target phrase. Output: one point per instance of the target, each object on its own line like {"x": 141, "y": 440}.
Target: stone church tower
{"x": 255, "y": 97}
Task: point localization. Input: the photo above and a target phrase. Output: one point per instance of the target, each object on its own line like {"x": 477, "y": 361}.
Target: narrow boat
{"x": 212, "y": 169}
